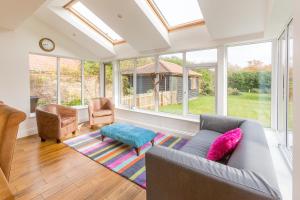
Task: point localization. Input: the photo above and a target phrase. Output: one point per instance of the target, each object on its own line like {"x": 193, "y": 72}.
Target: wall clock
{"x": 47, "y": 44}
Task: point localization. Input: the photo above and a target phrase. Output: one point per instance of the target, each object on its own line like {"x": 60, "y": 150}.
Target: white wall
{"x": 14, "y": 73}
{"x": 296, "y": 75}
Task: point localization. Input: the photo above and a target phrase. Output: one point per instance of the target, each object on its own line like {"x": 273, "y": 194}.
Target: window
{"x": 201, "y": 90}
{"x": 170, "y": 85}
{"x": 94, "y": 22}
{"x": 170, "y": 76}
{"x": 91, "y": 80}
{"x": 146, "y": 89}
{"x": 70, "y": 81}
{"x": 108, "y": 80}
{"x": 43, "y": 80}
{"x": 72, "y": 85}
{"x": 127, "y": 68}
{"x": 177, "y": 13}
{"x": 249, "y": 81}
{"x": 285, "y": 86}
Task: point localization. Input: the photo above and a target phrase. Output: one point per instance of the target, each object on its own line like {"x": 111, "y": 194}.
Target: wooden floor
{"x": 55, "y": 171}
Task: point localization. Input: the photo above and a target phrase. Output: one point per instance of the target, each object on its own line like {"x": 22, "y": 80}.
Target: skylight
{"x": 177, "y": 13}
{"x": 87, "y": 16}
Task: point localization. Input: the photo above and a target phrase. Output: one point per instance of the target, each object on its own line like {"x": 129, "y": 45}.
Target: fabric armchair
{"x": 56, "y": 121}
{"x": 101, "y": 111}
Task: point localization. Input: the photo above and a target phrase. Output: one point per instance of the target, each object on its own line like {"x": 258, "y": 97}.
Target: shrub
{"x": 233, "y": 91}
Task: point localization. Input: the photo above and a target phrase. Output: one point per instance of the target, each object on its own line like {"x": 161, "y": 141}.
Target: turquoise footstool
{"x": 128, "y": 134}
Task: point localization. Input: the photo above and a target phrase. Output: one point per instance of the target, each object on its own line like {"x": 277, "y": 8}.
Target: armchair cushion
{"x": 67, "y": 120}
{"x": 101, "y": 113}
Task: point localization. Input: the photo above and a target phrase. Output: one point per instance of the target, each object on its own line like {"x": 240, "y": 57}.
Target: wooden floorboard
{"x": 46, "y": 171}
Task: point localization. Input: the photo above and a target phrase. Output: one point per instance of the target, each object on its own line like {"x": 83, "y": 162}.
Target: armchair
{"x": 101, "y": 111}
{"x": 10, "y": 119}
{"x": 55, "y": 121}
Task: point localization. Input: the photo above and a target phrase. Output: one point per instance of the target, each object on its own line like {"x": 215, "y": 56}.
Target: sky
{"x": 240, "y": 55}
{"x": 179, "y": 11}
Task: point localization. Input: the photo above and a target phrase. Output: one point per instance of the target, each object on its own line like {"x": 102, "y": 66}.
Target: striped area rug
{"x": 119, "y": 157}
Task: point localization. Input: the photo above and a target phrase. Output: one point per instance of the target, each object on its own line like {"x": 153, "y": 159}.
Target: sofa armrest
{"x": 172, "y": 174}
{"x": 219, "y": 123}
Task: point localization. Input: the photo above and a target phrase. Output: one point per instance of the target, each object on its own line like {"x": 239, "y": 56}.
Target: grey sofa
{"x": 248, "y": 174}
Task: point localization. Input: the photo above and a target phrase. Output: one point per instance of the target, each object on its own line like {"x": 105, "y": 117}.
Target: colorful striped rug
{"x": 119, "y": 157}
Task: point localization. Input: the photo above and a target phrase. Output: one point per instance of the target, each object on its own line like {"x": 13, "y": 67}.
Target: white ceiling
{"x": 58, "y": 18}
{"x": 134, "y": 26}
{"x": 279, "y": 13}
{"x": 231, "y": 18}
{"x": 225, "y": 21}
{"x": 14, "y": 12}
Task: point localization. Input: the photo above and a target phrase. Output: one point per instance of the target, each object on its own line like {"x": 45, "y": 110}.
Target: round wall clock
{"x": 47, "y": 44}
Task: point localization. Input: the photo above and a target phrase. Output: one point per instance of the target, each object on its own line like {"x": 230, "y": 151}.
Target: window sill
{"x": 81, "y": 107}
{"x": 190, "y": 118}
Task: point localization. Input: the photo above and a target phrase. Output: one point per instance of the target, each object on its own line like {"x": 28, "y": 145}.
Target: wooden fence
{"x": 146, "y": 100}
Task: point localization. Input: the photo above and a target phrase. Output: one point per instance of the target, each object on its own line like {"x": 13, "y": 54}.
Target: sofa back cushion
{"x": 200, "y": 143}
{"x": 219, "y": 123}
{"x": 252, "y": 153}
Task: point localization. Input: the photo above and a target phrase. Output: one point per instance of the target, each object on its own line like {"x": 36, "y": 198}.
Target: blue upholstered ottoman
{"x": 128, "y": 134}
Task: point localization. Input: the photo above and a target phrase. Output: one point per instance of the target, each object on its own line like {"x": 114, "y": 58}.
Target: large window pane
{"x": 249, "y": 81}
{"x": 127, "y": 68}
{"x": 108, "y": 82}
{"x": 43, "y": 80}
{"x": 170, "y": 76}
{"x": 201, "y": 90}
{"x": 91, "y": 80}
{"x": 145, "y": 83}
{"x": 70, "y": 81}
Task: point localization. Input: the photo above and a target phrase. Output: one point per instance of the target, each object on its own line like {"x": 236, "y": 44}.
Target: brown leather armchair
{"x": 101, "y": 111}
{"x": 56, "y": 121}
{"x": 10, "y": 119}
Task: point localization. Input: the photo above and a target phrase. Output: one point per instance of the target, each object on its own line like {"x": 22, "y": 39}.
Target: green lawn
{"x": 247, "y": 105}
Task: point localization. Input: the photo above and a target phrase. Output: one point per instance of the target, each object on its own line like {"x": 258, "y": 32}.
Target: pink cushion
{"x": 224, "y": 144}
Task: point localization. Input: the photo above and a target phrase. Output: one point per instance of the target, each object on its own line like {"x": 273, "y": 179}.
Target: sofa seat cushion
{"x": 102, "y": 113}
{"x": 67, "y": 120}
{"x": 200, "y": 143}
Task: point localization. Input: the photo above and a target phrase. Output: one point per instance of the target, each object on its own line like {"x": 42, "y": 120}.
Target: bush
{"x": 248, "y": 81}
{"x": 233, "y": 91}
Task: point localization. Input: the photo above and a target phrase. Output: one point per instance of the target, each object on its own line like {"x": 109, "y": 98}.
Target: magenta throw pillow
{"x": 224, "y": 144}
